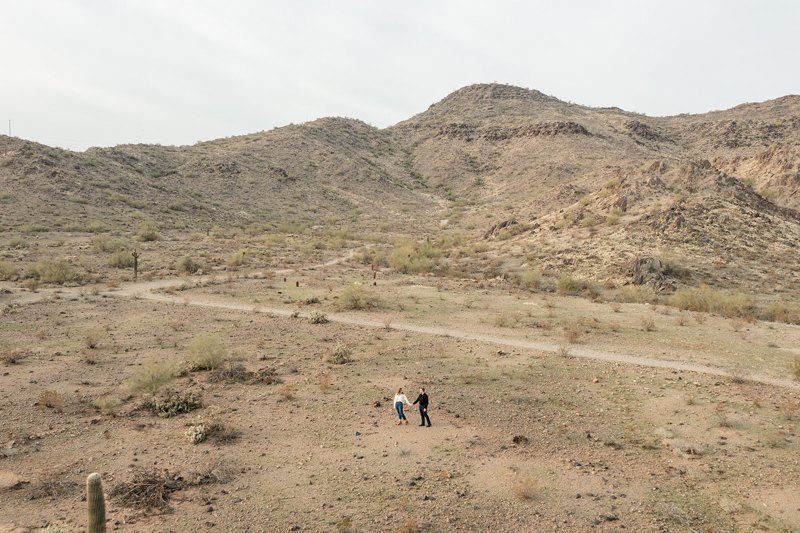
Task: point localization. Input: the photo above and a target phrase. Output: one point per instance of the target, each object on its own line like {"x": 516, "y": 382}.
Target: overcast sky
{"x": 103, "y": 72}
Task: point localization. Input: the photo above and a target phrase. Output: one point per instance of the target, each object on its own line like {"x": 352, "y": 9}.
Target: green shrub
{"x": 58, "y": 271}
{"x": 187, "y": 264}
{"x": 611, "y": 184}
{"x": 238, "y": 259}
{"x": 411, "y": 256}
{"x": 357, "y": 297}
{"x": 121, "y": 259}
{"x": 510, "y": 231}
{"x": 32, "y": 228}
{"x": 104, "y": 243}
{"x": 107, "y": 403}
{"x": 769, "y": 195}
{"x": 175, "y": 403}
{"x": 589, "y": 221}
{"x": 18, "y": 242}
{"x": 567, "y": 283}
{"x": 372, "y": 256}
{"x": 531, "y": 278}
{"x": 176, "y": 205}
{"x": 205, "y": 353}
{"x": 637, "y": 294}
{"x": 147, "y": 232}
{"x": 151, "y": 376}
{"x": 780, "y": 311}
{"x": 706, "y": 299}
{"x": 612, "y": 220}
{"x": 318, "y": 317}
{"x": 7, "y": 271}
{"x": 96, "y": 227}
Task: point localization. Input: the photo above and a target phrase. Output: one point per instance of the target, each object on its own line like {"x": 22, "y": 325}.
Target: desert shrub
{"x": 310, "y": 300}
{"x": 51, "y": 399}
{"x": 7, "y": 271}
{"x": 372, "y": 256}
{"x": 230, "y": 372}
{"x": 187, "y": 264}
{"x": 501, "y": 321}
{"x": 104, "y": 243}
{"x": 32, "y": 284}
{"x": 411, "y": 256}
{"x": 205, "y": 353}
{"x": 780, "y": 311}
{"x": 107, "y": 403}
{"x": 648, "y": 323}
{"x": 706, "y": 299}
{"x": 95, "y": 227}
{"x": 121, "y": 259}
{"x": 794, "y": 367}
{"x": 209, "y": 426}
{"x": 18, "y": 242}
{"x": 175, "y": 403}
{"x": 176, "y": 205}
{"x": 526, "y": 488}
{"x": 769, "y": 195}
{"x": 32, "y": 228}
{"x": 358, "y": 297}
{"x": 589, "y": 221}
{"x": 151, "y": 376}
{"x": 531, "y": 278}
{"x": 340, "y": 355}
{"x": 612, "y": 220}
{"x": 567, "y": 283}
{"x": 147, "y": 489}
{"x": 572, "y": 332}
{"x": 238, "y": 259}
{"x": 58, "y": 271}
{"x": 510, "y": 231}
{"x": 147, "y": 232}
{"x": 317, "y": 317}
{"x": 9, "y": 356}
{"x": 637, "y": 294}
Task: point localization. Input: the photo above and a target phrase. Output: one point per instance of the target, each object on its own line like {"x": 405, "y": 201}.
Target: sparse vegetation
{"x": 151, "y": 376}
{"x": 358, "y": 297}
{"x": 567, "y": 283}
{"x": 205, "y": 352}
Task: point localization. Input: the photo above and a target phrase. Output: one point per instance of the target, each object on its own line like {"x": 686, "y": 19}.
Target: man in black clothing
{"x": 423, "y": 407}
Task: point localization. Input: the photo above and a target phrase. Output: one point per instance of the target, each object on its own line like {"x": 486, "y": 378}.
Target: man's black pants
{"x": 423, "y": 412}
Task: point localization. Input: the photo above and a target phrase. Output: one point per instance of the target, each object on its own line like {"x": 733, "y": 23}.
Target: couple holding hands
{"x": 400, "y": 400}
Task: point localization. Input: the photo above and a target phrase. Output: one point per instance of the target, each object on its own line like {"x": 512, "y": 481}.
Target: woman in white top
{"x": 399, "y": 400}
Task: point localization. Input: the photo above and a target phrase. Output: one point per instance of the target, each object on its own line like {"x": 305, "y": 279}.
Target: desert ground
{"x": 550, "y": 412}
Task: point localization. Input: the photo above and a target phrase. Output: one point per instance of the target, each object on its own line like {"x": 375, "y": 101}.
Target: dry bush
{"x": 324, "y": 381}
{"x": 211, "y": 426}
{"x": 706, "y": 299}
{"x": 7, "y": 271}
{"x": 526, "y": 488}
{"x": 613, "y": 326}
{"x": 318, "y": 317}
{"x": 501, "y": 321}
{"x": 10, "y": 356}
{"x": 794, "y": 367}
{"x": 216, "y": 470}
{"x": 737, "y": 324}
{"x": 520, "y": 439}
{"x": 176, "y": 325}
{"x": 50, "y": 482}
{"x": 682, "y": 318}
{"x": 231, "y": 372}
{"x": 567, "y": 283}
{"x": 572, "y": 333}
{"x": 564, "y": 351}
{"x": 147, "y": 489}
{"x": 531, "y": 279}
{"x": 151, "y": 376}
{"x": 357, "y": 297}
{"x": 648, "y": 323}
{"x": 700, "y": 318}
{"x": 340, "y": 355}
{"x": 32, "y": 284}
{"x": 615, "y": 306}
{"x": 287, "y": 392}
{"x": 637, "y": 294}
{"x": 108, "y": 404}
{"x": 121, "y": 259}
{"x": 104, "y": 243}
{"x": 789, "y": 410}
{"x": 51, "y": 399}
{"x": 57, "y": 271}
{"x": 238, "y": 259}
{"x": 205, "y": 353}
{"x": 188, "y": 265}
{"x": 92, "y": 340}
{"x": 174, "y": 403}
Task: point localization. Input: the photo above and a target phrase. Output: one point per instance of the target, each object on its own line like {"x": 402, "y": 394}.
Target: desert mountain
{"x": 716, "y": 187}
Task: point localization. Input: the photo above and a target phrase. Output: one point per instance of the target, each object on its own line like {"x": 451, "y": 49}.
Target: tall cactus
{"x": 96, "y": 504}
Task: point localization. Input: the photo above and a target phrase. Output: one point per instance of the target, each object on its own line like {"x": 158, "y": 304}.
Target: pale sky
{"x": 86, "y": 73}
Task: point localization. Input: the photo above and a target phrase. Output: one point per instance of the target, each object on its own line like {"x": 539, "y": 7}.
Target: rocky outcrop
{"x": 544, "y": 129}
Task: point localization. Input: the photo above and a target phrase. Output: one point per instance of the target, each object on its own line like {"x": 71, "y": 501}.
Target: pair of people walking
{"x": 400, "y": 400}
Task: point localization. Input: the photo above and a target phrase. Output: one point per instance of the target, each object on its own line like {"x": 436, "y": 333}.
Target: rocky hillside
{"x": 719, "y": 186}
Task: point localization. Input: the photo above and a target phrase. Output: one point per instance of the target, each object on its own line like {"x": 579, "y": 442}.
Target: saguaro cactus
{"x": 135, "y": 255}
{"x": 96, "y": 504}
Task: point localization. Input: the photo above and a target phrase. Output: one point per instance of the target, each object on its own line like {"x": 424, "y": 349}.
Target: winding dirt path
{"x": 142, "y": 290}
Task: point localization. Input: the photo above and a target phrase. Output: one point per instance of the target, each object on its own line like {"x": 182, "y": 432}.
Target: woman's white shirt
{"x": 401, "y": 398}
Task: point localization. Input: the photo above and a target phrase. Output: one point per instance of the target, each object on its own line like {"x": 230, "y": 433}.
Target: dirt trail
{"x": 142, "y": 290}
